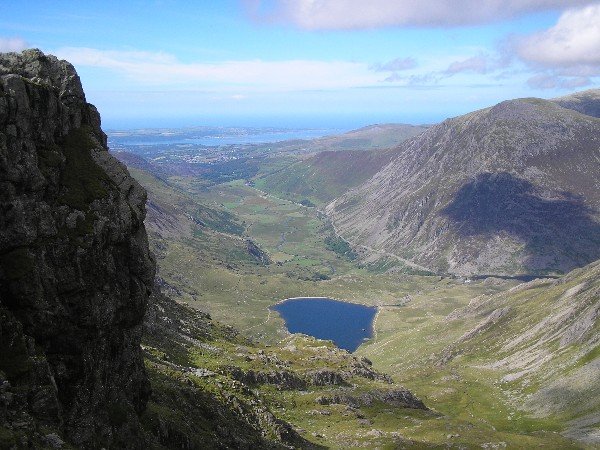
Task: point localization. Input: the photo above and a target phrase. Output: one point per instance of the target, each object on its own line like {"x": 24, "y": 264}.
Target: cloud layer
{"x": 363, "y": 14}
{"x": 567, "y": 55}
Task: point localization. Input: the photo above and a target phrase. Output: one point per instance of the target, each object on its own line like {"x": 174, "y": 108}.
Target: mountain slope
{"x": 370, "y": 137}
{"x": 544, "y": 338}
{"x": 517, "y": 362}
{"x": 324, "y": 176}
{"x": 586, "y": 102}
{"x": 212, "y": 388}
{"x": 336, "y": 163}
{"x": 505, "y": 190}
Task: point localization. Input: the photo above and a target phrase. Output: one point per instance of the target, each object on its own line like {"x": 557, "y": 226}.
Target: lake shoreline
{"x": 347, "y": 324}
{"x": 323, "y": 298}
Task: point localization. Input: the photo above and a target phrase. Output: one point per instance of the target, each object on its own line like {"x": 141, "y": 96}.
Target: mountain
{"x": 322, "y": 177}
{"x": 336, "y": 163}
{"x": 511, "y": 189}
{"x": 367, "y": 138}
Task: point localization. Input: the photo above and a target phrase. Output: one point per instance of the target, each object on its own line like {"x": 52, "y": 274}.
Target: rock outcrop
{"x": 75, "y": 269}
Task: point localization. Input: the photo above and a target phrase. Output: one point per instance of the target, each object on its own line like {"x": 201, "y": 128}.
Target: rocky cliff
{"x": 75, "y": 270}
{"x": 506, "y": 190}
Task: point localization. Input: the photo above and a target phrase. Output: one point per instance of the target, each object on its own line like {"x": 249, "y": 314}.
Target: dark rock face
{"x": 75, "y": 269}
{"x": 255, "y": 251}
{"x": 283, "y": 378}
{"x": 496, "y": 203}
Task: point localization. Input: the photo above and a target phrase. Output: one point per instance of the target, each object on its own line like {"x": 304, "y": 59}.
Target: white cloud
{"x": 154, "y": 69}
{"x": 573, "y": 41}
{"x": 13, "y": 44}
{"x": 543, "y": 81}
{"x": 364, "y": 14}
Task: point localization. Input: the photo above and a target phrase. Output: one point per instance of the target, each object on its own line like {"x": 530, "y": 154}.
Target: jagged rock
{"x": 324, "y": 377}
{"x": 256, "y": 252}
{"x": 203, "y": 373}
{"x": 54, "y": 441}
{"x": 75, "y": 270}
{"x": 283, "y": 379}
{"x": 394, "y": 397}
{"x": 363, "y": 368}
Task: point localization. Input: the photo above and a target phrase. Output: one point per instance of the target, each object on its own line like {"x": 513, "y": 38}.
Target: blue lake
{"x": 346, "y": 324}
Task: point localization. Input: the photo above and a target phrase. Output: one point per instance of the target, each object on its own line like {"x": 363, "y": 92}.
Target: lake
{"x": 346, "y": 324}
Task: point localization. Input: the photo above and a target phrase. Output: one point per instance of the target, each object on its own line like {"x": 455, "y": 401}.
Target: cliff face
{"x": 75, "y": 270}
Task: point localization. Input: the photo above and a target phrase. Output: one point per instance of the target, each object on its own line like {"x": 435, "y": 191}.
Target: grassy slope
{"x": 336, "y": 164}
{"x": 324, "y": 176}
{"x": 220, "y": 407}
{"x": 508, "y": 373}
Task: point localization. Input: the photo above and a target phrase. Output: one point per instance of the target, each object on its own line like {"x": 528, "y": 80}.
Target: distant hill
{"x": 378, "y": 136}
{"x": 370, "y": 137}
{"x": 326, "y": 175}
{"x": 337, "y": 163}
{"x": 508, "y": 190}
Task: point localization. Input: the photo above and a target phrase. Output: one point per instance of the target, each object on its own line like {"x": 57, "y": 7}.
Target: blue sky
{"x": 317, "y": 63}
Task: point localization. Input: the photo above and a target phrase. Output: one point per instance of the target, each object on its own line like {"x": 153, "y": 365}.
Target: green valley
{"x": 234, "y": 249}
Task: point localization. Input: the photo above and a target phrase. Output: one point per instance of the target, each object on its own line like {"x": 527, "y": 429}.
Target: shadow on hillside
{"x": 559, "y": 233}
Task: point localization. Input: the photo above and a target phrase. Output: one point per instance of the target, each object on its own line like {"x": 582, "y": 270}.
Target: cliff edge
{"x": 75, "y": 269}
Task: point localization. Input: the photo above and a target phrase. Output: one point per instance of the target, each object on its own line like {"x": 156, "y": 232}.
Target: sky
{"x": 310, "y": 63}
